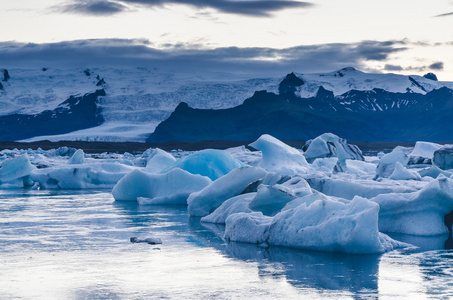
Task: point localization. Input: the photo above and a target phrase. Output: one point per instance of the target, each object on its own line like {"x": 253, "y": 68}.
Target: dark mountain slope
{"x": 376, "y": 115}
{"x": 73, "y": 114}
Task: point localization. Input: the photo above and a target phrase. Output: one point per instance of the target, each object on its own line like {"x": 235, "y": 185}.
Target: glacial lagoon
{"x": 76, "y": 245}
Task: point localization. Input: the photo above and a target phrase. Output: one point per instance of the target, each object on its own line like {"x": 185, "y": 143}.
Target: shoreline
{"x": 137, "y": 147}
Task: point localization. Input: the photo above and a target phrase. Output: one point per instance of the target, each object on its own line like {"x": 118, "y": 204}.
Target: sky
{"x": 247, "y": 37}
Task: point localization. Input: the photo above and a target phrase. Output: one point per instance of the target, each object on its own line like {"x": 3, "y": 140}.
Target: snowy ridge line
{"x": 138, "y": 99}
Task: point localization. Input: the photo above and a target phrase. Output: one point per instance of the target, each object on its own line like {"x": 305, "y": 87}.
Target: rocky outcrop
{"x": 73, "y": 114}
{"x": 289, "y": 84}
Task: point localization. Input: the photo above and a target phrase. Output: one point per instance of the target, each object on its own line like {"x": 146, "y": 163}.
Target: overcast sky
{"x": 244, "y": 36}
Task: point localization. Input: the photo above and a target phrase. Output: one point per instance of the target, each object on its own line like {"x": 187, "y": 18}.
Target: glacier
{"x": 137, "y": 100}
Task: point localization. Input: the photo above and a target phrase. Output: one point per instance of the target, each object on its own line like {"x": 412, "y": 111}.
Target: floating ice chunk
{"x": 386, "y": 164}
{"x": 433, "y": 172}
{"x": 330, "y": 145}
{"x": 423, "y": 153}
{"x": 327, "y": 165}
{"x": 324, "y": 225}
{"x": 358, "y": 167}
{"x": 159, "y": 160}
{"x": 170, "y": 188}
{"x": 210, "y": 162}
{"x": 402, "y": 173}
{"x": 104, "y": 175}
{"x": 204, "y": 202}
{"x": 418, "y": 213}
{"x": 231, "y": 206}
{"x": 279, "y": 157}
{"x": 271, "y": 199}
{"x": 151, "y": 240}
{"x": 443, "y": 158}
{"x": 244, "y": 155}
{"x": 248, "y": 227}
{"x": 77, "y": 158}
{"x": 15, "y": 172}
{"x": 365, "y": 188}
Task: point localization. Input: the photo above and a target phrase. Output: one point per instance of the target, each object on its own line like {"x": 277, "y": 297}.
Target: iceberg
{"x": 324, "y": 225}
{"x": 423, "y": 153}
{"x": 210, "y": 162}
{"x": 169, "y": 188}
{"x": 231, "y": 206}
{"x": 77, "y": 158}
{"x": 15, "y": 172}
{"x": 270, "y": 200}
{"x": 387, "y": 163}
{"x": 418, "y": 213}
{"x": 402, "y": 173}
{"x": 279, "y": 157}
{"x": 159, "y": 160}
{"x": 103, "y": 175}
{"x": 348, "y": 189}
{"x": 204, "y": 202}
{"x": 443, "y": 158}
{"x": 330, "y": 145}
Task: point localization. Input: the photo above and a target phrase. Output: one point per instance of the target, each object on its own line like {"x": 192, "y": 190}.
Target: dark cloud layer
{"x": 94, "y": 7}
{"x": 437, "y": 66}
{"x": 445, "y": 15}
{"x": 389, "y": 67}
{"x": 257, "y": 8}
{"x": 184, "y": 58}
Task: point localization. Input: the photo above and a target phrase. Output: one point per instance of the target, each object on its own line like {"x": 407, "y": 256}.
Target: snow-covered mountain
{"x": 136, "y": 100}
{"x": 368, "y": 113}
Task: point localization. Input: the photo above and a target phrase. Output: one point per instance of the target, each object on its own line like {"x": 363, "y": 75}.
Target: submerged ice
{"x": 329, "y": 197}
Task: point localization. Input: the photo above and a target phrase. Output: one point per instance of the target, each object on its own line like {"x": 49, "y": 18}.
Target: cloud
{"x": 92, "y": 7}
{"x": 445, "y": 15}
{"x": 186, "y": 58}
{"x": 257, "y": 8}
{"x": 393, "y": 68}
{"x": 437, "y": 66}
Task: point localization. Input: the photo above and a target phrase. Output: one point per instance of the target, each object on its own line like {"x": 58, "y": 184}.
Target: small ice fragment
{"x": 151, "y": 241}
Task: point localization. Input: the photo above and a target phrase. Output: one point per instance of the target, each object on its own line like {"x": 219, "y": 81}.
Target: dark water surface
{"x": 76, "y": 245}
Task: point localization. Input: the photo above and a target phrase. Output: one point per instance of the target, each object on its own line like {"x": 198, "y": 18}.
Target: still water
{"x": 76, "y": 245}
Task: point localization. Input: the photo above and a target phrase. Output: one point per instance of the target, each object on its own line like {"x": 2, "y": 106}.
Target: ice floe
{"x": 328, "y": 198}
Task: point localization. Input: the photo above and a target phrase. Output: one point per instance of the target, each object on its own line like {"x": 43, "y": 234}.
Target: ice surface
{"x": 270, "y": 199}
{"x": 387, "y": 162}
{"x": 15, "y": 172}
{"x": 325, "y": 225}
{"x": 330, "y": 145}
{"x": 231, "y": 206}
{"x": 283, "y": 199}
{"x": 348, "y": 189}
{"x": 210, "y": 162}
{"x": 433, "y": 172}
{"x": 77, "y": 158}
{"x": 103, "y": 175}
{"x": 443, "y": 158}
{"x": 279, "y": 157}
{"x": 423, "y": 153}
{"x": 234, "y": 183}
{"x": 418, "y": 213}
{"x": 402, "y": 173}
{"x": 158, "y": 160}
{"x": 169, "y": 188}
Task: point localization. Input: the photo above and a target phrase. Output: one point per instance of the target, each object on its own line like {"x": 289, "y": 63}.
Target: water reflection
{"x": 425, "y": 243}
{"x": 306, "y": 269}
